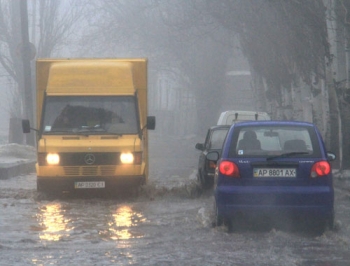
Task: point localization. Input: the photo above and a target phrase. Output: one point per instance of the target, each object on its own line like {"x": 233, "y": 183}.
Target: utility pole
{"x": 26, "y": 58}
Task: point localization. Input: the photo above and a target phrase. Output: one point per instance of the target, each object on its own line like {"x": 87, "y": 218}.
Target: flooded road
{"x": 169, "y": 223}
{"x": 163, "y": 226}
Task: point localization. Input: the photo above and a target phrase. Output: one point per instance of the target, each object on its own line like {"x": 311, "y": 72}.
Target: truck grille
{"x": 80, "y": 159}
{"x": 89, "y": 170}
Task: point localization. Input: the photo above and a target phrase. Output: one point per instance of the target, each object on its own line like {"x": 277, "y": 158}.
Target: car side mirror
{"x": 199, "y": 146}
{"x": 25, "y": 126}
{"x": 331, "y": 156}
{"x": 213, "y": 156}
{"x": 151, "y": 122}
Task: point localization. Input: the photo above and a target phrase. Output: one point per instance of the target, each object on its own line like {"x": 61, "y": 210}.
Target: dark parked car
{"x": 213, "y": 142}
{"x": 276, "y": 170}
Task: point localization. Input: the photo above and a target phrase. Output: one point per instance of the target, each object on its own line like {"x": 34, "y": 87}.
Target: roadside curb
{"x": 22, "y": 167}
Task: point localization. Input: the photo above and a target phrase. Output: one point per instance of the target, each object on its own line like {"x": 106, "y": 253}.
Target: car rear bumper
{"x": 316, "y": 200}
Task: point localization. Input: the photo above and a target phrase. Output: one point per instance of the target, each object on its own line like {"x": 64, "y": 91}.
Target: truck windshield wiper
{"x": 90, "y": 129}
{"x": 93, "y": 130}
{"x": 288, "y": 154}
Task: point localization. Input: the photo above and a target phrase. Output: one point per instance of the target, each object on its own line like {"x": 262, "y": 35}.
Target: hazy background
{"x": 184, "y": 49}
{"x": 288, "y": 58}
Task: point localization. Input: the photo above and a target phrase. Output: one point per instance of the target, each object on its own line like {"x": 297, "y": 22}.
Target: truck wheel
{"x": 45, "y": 188}
{"x": 40, "y": 187}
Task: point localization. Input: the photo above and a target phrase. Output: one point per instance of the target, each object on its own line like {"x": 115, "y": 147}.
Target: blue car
{"x": 274, "y": 169}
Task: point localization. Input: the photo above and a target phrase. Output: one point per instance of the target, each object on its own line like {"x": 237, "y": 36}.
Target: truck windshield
{"x": 90, "y": 115}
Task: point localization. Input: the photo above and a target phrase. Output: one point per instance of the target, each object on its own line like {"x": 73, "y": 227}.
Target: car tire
{"x": 218, "y": 218}
{"x": 331, "y": 222}
{"x": 318, "y": 226}
{"x": 205, "y": 183}
{"x": 199, "y": 177}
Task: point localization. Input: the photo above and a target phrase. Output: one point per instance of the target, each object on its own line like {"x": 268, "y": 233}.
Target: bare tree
{"x": 178, "y": 36}
{"x": 284, "y": 41}
{"x": 50, "y": 31}
{"x": 339, "y": 84}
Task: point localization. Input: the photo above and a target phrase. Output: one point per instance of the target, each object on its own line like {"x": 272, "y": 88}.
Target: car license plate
{"x": 275, "y": 172}
{"x": 96, "y": 184}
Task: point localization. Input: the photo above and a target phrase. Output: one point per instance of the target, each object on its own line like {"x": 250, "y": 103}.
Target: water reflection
{"x": 52, "y": 222}
{"x": 55, "y": 221}
{"x": 123, "y": 222}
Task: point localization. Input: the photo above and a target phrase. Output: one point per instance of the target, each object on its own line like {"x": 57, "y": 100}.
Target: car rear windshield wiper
{"x": 287, "y": 154}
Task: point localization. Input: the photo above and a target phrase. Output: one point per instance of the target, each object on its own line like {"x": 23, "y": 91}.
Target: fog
{"x": 177, "y": 39}
{"x": 204, "y": 58}
{"x": 286, "y": 58}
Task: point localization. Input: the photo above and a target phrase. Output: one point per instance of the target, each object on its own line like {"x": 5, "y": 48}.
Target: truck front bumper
{"x": 70, "y": 184}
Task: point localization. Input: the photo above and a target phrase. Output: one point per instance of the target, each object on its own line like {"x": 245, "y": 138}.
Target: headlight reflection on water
{"x": 53, "y": 223}
{"x": 122, "y": 222}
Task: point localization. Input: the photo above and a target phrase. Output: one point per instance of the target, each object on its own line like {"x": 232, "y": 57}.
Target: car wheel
{"x": 218, "y": 218}
{"x": 208, "y": 183}
{"x": 199, "y": 177}
{"x": 200, "y": 180}
{"x": 331, "y": 222}
{"x": 318, "y": 226}
{"x": 205, "y": 183}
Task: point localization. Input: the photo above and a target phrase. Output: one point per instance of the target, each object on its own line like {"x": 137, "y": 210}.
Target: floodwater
{"x": 160, "y": 227}
{"x": 169, "y": 223}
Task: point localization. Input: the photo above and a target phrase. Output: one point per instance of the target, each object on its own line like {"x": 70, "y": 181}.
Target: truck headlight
{"x": 127, "y": 158}
{"x": 52, "y": 159}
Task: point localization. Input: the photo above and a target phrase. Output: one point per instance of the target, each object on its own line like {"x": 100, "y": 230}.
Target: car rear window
{"x": 261, "y": 141}
{"x": 217, "y": 138}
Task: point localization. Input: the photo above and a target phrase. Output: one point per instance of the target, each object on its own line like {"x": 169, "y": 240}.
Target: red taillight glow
{"x": 211, "y": 165}
{"x": 229, "y": 168}
{"x": 320, "y": 169}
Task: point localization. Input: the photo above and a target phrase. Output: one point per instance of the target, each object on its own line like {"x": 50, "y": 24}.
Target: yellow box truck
{"x": 92, "y": 124}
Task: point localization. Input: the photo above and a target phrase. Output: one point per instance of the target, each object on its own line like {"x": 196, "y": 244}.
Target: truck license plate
{"x": 97, "y": 184}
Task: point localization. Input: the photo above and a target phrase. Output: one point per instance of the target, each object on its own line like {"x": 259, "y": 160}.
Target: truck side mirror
{"x": 151, "y": 122}
{"x": 25, "y": 126}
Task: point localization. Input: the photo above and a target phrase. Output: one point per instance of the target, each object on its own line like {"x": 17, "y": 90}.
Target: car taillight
{"x": 211, "y": 165}
{"x": 320, "y": 169}
{"x": 229, "y": 169}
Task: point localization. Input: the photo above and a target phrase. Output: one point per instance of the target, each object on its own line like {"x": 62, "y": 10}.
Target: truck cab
{"x": 92, "y": 124}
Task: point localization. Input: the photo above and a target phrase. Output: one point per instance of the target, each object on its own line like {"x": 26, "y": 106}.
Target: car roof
{"x": 220, "y": 127}
{"x": 273, "y": 122}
